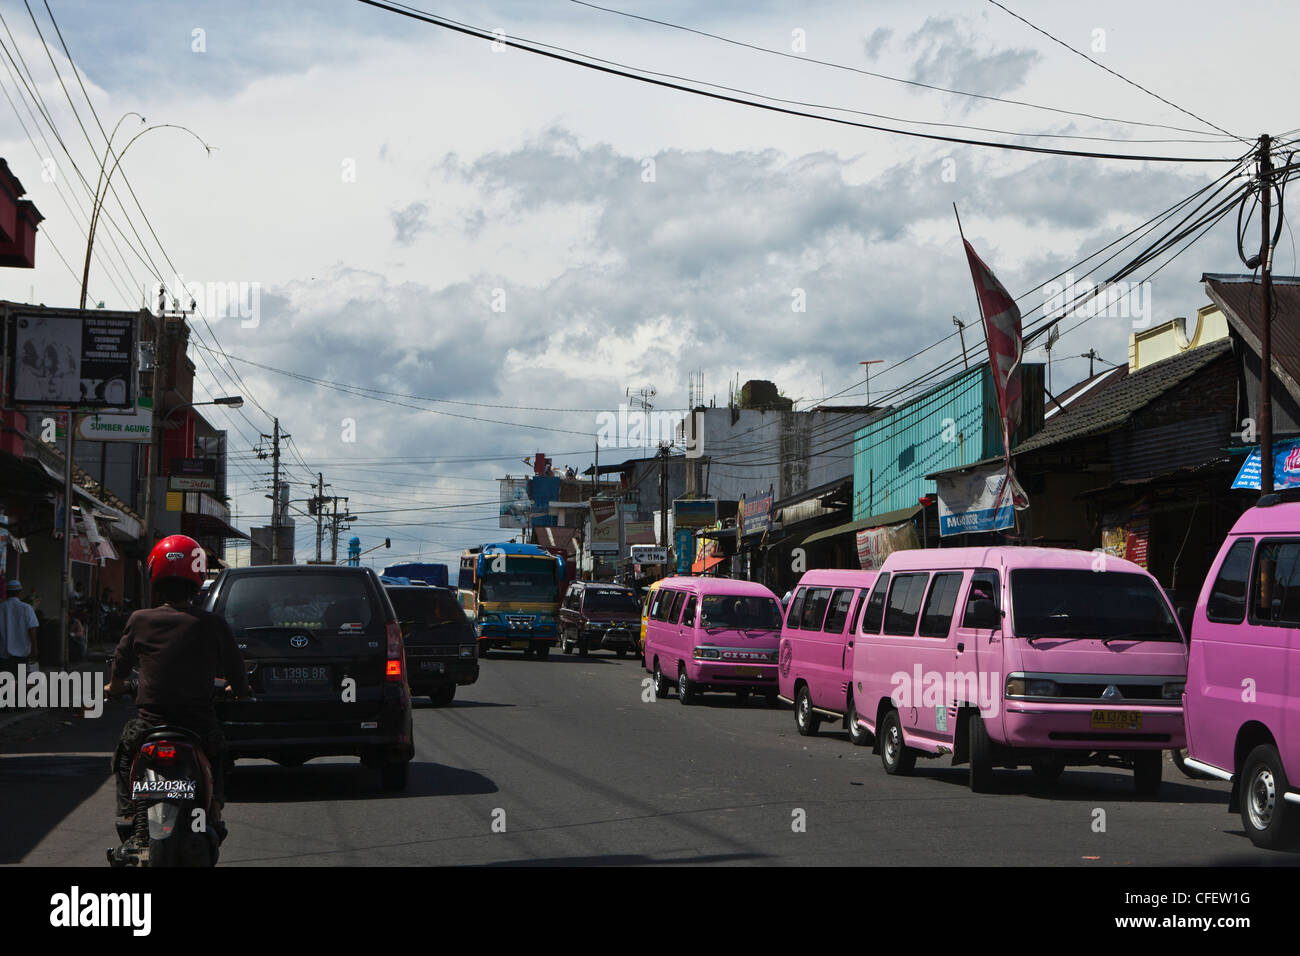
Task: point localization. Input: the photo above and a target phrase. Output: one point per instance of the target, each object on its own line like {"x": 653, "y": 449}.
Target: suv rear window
{"x": 324, "y": 603}
{"x": 609, "y": 599}
{"x": 425, "y": 606}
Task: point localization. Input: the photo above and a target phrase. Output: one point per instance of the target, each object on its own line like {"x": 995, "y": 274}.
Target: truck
{"x": 511, "y": 592}
{"x": 434, "y": 575}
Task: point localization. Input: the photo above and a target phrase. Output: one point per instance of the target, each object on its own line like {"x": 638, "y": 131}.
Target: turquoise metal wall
{"x": 954, "y": 424}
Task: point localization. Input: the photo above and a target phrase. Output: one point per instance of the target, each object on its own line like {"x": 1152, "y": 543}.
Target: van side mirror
{"x": 1184, "y": 613}
{"x": 983, "y": 613}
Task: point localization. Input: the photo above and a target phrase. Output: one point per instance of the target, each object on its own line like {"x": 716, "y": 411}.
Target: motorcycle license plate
{"x": 1117, "y": 720}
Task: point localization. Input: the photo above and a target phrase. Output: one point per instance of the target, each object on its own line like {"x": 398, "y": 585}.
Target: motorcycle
{"x": 171, "y": 793}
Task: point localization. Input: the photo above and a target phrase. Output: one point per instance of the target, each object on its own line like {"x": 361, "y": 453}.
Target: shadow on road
{"x": 264, "y": 782}
{"x": 1075, "y": 786}
{"x": 631, "y": 859}
{"x": 38, "y": 791}
{"x": 423, "y": 703}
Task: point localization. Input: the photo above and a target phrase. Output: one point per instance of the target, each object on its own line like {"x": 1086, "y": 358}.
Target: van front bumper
{"x": 710, "y": 675}
{"x": 1077, "y": 726}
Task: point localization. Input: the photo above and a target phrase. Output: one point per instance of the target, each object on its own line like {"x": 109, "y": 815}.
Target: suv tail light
{"x": 396, "y": 670}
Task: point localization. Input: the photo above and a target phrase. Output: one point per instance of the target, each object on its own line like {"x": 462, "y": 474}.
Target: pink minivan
{"x": 713, "y": 634}
{"x": 1243, "y": 675}
{"x": 1007, "y": 656}
{"x": 816, "y": 662}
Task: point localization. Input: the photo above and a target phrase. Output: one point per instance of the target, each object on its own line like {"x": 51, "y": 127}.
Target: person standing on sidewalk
{"x": 18, "y": 626}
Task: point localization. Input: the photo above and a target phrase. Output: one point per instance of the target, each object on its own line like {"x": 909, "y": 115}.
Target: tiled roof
{"x": 1114, "y": 405}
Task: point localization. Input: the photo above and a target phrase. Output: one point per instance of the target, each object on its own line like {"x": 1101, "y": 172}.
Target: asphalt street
{"x": 572, "y": 761}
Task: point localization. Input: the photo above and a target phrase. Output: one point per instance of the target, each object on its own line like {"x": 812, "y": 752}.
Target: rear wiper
{"x": 276, "y": 627}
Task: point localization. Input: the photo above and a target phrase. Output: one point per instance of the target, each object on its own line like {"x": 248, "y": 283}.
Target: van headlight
{"x": 1032, "y": 687}
{"x": 1173, "y": 689}
{"x": 707, "y": 654}
{"x": 468, "y": 650}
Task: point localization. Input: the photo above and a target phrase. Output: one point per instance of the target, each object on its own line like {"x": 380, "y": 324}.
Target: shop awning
{"x": 875, "y": 521}
{"x": 706, "y": 565}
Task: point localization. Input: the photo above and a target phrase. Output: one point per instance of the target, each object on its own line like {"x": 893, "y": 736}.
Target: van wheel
{"x": 805, "y": 721}
{"x": 1147, "y": 767}
{"x": 981, "y": 756}
{"x": 565, "y": 646}
{"x": 1269, "y": 822}
{"x": 859, "y": 736}
{"x": 621, "y": 652}
{"x": 1048, "y": 768}
{"x": 771, "y": 698}
{"x": 894, "y": 754}
{"x": 661, "y": 684}
{"x": 685, "y": 692}
{"x": 544, "y": 652}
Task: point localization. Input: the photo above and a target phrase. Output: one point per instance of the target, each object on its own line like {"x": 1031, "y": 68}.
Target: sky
{"x": 496, "y": 247}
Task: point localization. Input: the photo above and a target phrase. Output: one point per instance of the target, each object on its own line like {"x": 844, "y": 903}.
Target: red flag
{"x": 1002, "y": 330}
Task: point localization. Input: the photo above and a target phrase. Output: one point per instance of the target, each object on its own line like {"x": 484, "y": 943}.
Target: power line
{"x": 885, "y": 76}
{"x": 619, "y": 69}
{"x": 1113, "y": 73}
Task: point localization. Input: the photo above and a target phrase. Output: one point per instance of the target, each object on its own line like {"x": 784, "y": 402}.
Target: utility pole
{"x": 663, "y": 494}
{"x": 320, "y": 500}
{"x": 961, "y": 333}
{"x": 275, "y": 437}
{"x": 1266, "y": 330}
{"x": 1091, "y": 355}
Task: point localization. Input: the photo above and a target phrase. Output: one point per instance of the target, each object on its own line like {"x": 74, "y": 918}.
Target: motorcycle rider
{"x": 182, "y": 653}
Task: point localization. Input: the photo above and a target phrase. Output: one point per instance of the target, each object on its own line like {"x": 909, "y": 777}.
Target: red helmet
{"x": 178, "y": 556}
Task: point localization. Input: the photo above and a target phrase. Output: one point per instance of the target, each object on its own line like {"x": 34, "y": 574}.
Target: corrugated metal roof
{"x": 1242, "y": 300}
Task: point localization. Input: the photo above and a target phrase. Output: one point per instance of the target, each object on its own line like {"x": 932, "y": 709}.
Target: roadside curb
{"x": 92, "y": 662}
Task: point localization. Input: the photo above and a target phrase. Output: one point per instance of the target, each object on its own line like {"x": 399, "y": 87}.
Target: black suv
{"x": 441, "y": 650}
{"x": 325, "y": 665}
{"x": 600, "y": 615}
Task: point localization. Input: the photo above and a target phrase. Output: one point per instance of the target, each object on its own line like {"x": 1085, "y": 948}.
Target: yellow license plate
{"x": 519, "y": 645}
{"x": 749, "y": 672}
{"x": 1116, "y": 720}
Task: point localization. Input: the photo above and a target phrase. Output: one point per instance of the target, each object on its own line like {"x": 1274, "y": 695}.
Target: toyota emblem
{"x": 298, "y": 640}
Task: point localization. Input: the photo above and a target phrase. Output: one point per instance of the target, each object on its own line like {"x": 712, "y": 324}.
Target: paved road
{"x": 586, "y": 771}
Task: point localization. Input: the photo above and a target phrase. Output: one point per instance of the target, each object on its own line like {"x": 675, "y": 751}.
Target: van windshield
{"x": 751, "y": 611}
{"x": 1104, "y": 605}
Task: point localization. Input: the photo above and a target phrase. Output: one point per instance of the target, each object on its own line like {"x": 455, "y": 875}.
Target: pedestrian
{"x": 18, "y": 626}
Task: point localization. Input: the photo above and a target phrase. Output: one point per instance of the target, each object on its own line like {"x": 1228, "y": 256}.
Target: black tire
{"x": 394, "y": 776}
{"x": 167, "y": 854}
{"x": 544, "y": 652}
{"x": 442, "y": 696}
{"x": 771, "y": 698}
{"x": 582, "y": 648}
{"x": 621, "y": 652}
{"x": 981, "y": 756}
{"x": 528, "y": 651}
{"x": 1049, "y": 768}
{"x": 742, "y": 695}
{"x": 896, "y": 757}
{"x": 686, "y": 693}
{"x": 1269, "y": 821}
{"x": 805, "y": 720}
{"x": 859, "y": 736}
{"x": 1147, "y": 767}
{"x": 482, "y": 650}
{"x": 565, "y": 646}
{"x": 661, "y": 682}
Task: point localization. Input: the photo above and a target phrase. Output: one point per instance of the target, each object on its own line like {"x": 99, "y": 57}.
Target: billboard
{"x": 516, "y": 505}
{"x": 694, "y": 513}
{"x": 137, "y": 427}
{"x": 73, "y": 359}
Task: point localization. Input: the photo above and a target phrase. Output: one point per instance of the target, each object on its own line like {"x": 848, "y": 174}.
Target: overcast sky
{"x": 427, "y": 216}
